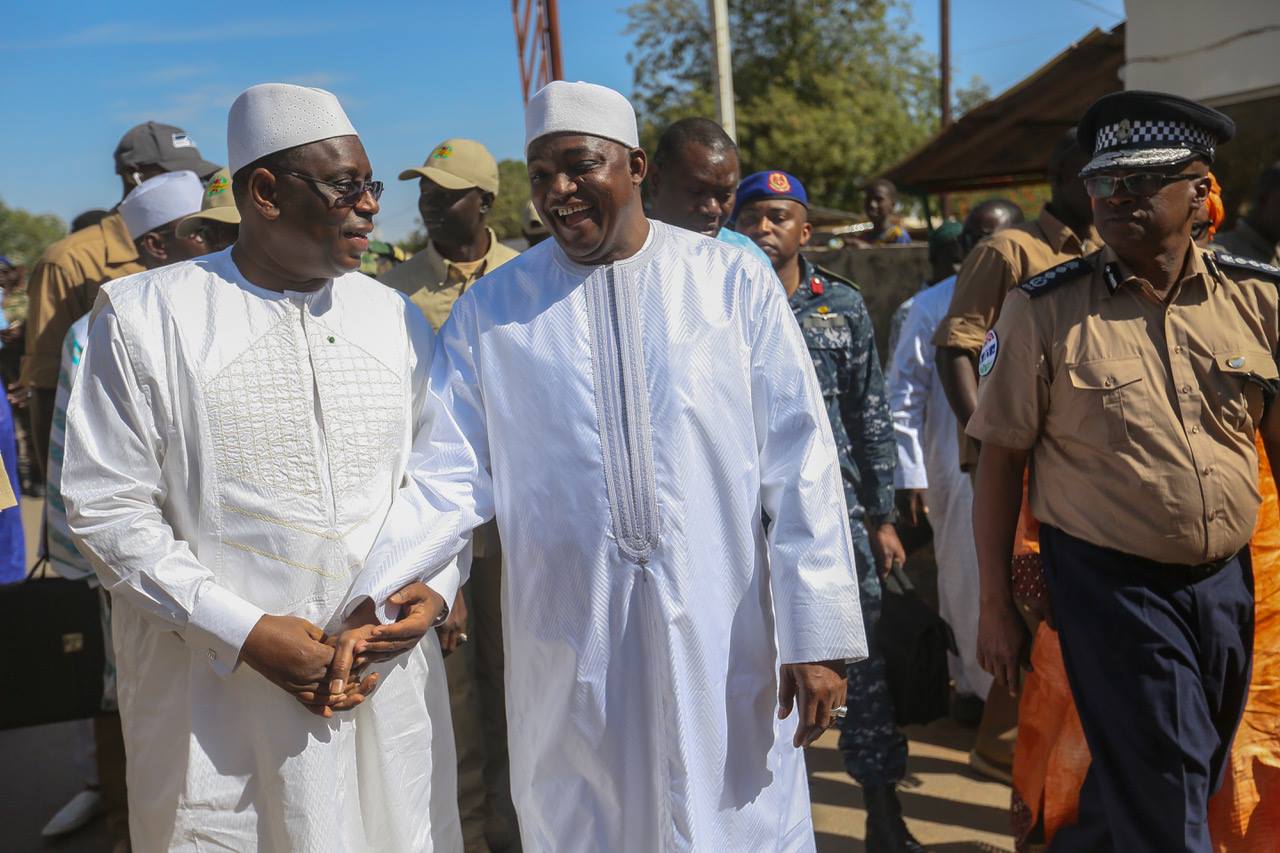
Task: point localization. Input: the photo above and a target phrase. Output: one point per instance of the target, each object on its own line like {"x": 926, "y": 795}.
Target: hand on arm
{"x": 819, "y": 688}
{"x": 365, "y": 640}
{"x": 1003, "y": 640}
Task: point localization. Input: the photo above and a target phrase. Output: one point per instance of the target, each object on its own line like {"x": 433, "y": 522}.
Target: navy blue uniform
{"x": 838, "y": 331}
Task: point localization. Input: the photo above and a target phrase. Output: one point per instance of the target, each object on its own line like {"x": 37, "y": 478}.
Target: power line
{"x": 1103, "y": 9}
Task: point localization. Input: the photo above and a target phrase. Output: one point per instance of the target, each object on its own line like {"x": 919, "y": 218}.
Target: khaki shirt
{"x": 994, "y": 267}
{"x": 1245, "y": 241}
{"x": 63, "y": 286}
{"x": 1139, "y": 414}
{"x": 435, "y": 283}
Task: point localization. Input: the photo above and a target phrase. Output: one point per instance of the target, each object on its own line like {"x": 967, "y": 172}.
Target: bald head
{"x": 992, "y": 215}
{"x": 702, "y": 132}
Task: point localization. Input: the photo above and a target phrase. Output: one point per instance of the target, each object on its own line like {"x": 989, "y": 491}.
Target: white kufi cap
{"x": 160, "y": 200}
{"x": 271, "y": 117}
{"x": 586, "y": 108}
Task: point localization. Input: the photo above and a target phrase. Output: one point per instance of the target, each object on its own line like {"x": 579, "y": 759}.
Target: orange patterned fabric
{"x": 1217, "y": 210}
{"x": 1051, "y": 757}
{"x": 1244, "y": 817}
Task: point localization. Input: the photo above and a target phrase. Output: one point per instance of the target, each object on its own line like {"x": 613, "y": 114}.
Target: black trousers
{"x": 1158, "y": 660}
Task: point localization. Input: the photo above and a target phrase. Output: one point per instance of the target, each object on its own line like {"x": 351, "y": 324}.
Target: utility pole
{"x": 724, "y": 66}
{"x": 944, "y": 17}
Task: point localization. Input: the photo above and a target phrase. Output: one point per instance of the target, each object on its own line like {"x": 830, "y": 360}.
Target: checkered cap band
{"x": 1153, "y": 134}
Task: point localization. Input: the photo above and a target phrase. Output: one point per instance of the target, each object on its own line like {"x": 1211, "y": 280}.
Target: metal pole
{"x": 724, "y": 66}
{"x": 944, "y": 16}
{"x": 553, "y": 39}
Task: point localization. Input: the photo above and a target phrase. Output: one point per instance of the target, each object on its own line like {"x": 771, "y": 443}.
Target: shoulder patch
{"x": 1248, "y": 265}
{"x": 1042, "y": 283}
{"x": 836, "y": 278}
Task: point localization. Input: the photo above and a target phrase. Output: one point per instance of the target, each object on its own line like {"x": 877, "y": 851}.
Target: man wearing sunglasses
{"x": 1134, "y": 380}
{"x": 241, "y": 426}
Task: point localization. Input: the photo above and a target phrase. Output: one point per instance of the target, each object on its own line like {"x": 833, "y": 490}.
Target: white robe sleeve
{"x": 910, "y": 376}
{"x": 447, "y": 491}
{"x": 111, "y": 482}
{"x": 811, "y": 557}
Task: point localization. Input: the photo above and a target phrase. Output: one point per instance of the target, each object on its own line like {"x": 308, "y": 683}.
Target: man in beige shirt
{"x": 1133, "y": 380}
{"x": 1063, "y": 230}
{"x": 1257, "y": 234}
{"x": 64, "y": 282}
{"x": 457, "y": 185}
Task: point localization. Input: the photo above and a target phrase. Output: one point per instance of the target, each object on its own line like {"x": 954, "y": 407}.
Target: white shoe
{"x": 82, "y": 808}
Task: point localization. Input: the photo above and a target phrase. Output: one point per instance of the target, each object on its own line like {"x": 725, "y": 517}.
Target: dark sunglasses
{"x": 349, "y": 192}
{"x": 1139, "y": 183}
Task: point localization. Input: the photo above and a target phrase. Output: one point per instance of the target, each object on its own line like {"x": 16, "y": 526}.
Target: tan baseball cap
{"x": 218, "y": 205}
{"x": 458, "y": 164}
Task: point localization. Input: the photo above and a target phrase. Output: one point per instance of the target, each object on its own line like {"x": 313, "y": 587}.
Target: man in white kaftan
{"x": 237, "y": 435}
{"x": 924, "y": 428}
{"x": 630, "y": 419}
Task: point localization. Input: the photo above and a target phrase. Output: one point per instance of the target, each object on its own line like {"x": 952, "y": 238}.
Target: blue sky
{"x": 409, "y": 73}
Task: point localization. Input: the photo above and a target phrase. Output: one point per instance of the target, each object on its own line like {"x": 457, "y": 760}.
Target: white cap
{"x": 586, "y": 108}
{"x": 160, "y": 200}
{"x": 271, "y": 117}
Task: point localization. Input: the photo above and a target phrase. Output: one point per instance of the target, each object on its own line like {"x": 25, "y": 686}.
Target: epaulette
{"x": 1042, "y": 283}
{"x": 1248, "y": 265}
{"x": 829, "y": 274}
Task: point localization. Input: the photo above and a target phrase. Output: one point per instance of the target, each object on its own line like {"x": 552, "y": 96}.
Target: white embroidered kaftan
{"x": 630, "y": 422}
{"x": 232, "y": 451}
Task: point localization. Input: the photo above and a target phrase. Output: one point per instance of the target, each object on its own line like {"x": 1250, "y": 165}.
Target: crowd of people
{"x": 578, "y": 547}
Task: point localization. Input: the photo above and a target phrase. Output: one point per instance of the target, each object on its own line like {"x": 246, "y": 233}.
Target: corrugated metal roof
{"x": 1007, "y": 140}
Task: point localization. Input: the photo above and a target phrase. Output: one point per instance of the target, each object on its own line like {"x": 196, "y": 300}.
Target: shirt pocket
{"x": 829, "y": 344}
{"x": 1244, "y": 380}
{"x": 1110, "y": 400}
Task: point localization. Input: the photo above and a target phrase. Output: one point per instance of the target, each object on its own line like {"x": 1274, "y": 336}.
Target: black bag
{"x": 51, "y": 651}
{"x": 914, "y": 641}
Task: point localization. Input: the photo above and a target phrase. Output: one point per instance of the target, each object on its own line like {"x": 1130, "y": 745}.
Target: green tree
{"x": 25, "y": 235}
{"x": 832, "y": 90}
{"x": 506, "y": 215}
{"x": 974, "y": 94}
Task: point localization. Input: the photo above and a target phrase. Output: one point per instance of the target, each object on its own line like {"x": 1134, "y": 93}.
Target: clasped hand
{"x": 326, "y": 673}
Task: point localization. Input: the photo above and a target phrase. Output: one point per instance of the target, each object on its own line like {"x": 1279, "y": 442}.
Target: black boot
{"x": 886, "y": 831}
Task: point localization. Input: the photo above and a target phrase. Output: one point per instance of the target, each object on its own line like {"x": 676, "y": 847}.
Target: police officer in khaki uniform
{"x": 1134, "y": 379}
{"x": 457, "y": 185}
{"x": 64, "y": 283}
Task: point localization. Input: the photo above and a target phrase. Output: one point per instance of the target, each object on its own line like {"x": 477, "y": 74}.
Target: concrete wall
{"x": 888, "y": 275}
{"x": 1214, "y": 52}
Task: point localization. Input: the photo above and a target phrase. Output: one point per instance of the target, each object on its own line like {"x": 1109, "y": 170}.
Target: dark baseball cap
{"x": 161, "y": 145}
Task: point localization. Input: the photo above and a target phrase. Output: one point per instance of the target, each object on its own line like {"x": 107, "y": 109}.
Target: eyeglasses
{"x": 349, "y": 192}
{"x": 1144, "y": 184}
